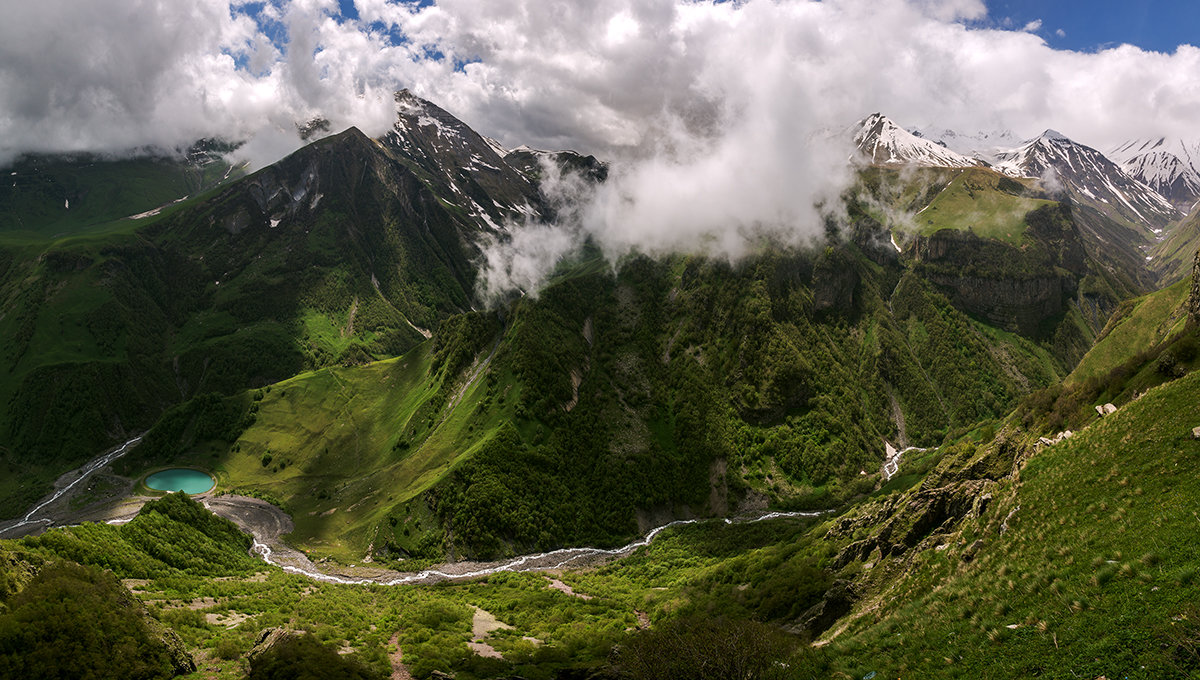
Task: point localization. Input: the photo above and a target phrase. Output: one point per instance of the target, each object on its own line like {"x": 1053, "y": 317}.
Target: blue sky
{"x": 1090, "y": 25}
{"x": 1080, "y": 25}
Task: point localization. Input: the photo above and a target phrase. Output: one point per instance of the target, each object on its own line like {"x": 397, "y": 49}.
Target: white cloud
{"x": 603, "y": 75}
{"x": 1033, "y": 26}
{"x": 715, "y": 114}
{"x": 1060, "y": 33}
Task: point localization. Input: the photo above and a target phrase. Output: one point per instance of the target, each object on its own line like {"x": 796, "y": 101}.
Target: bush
{"x": 303, "y": 657}
{"x": 702, "y": 648}
{"x": 74, "y": 621}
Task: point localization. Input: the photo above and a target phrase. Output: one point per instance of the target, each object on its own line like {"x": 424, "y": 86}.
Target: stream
{"x": 555, "y": 559}
{"x": 265, "y": 523}
{"x": 83, "y": 472}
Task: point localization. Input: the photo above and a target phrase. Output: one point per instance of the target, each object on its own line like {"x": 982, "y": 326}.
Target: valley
{"x": 840, "y": 457}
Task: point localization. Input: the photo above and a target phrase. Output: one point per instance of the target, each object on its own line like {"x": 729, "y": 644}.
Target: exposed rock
{"x": 1196, "y": 433}
{"x": 182, "y": 662}
{"x": 834, "y": 283}
{"x": 268, "y": 639}
{"x": 969, "y": 553}
{"x": 901, "y": 527}
{"x": 1194, "y": 298}
{"x": 1018, "y": 289}
{"x": 838, "y": 602}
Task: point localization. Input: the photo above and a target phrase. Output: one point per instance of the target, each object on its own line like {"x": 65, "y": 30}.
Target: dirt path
{"x": 564, "y": 588}
{"x": 399, "y": 670}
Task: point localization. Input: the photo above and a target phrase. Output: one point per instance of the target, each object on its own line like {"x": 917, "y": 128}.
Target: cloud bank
{"x": 716, "y": 115}
{"x": 605, "y": 76}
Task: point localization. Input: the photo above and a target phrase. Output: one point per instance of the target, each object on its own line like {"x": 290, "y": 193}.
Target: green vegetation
{"x": 669, "y": 388}
{"x": 107, "y": 330}
{"x": 984, "y": 202}
{"x": 170, "y": 536}
{"x": 284, "y": 348}
{"x": 45, "y": 197}
{"x": 73, "y": 621}
{"x": 1093, "y": 573}
{"x": 1173, "y": 255}
{"x": 1137, "y": 325}
{"x": 303, "y": 656}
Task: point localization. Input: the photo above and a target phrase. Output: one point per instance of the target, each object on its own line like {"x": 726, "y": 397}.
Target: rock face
{"x": 1024, "y": 290}
{"x": 1194, "y": 299}
{"x": 182, "y": 662}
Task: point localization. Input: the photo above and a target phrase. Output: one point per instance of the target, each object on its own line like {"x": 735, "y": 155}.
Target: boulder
{"x": 1196, "y": 433}
{"x": 269, "y": 638}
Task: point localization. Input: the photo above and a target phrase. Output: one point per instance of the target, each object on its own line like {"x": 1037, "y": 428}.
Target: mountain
{"x": 467, "y": 169}
{"x": 346, "y": 251}
{"x": 982, "y": 146}
{"x": 882, "y": 142}
{"x": 54, "y": 196}
{"x": 310, "y": 334}
{"x": 1169, "y": 166}
{"x": 1091, "y": 178}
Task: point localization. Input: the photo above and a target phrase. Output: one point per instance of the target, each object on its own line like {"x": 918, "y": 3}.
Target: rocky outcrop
{"x": 1194, "y": 299}
{"x": 269, "y": 639}
{"x": 901, "y": 525}
{"x": 182, "y": 662}
{"x": 838, "y": 602}
{"x": 834, "y": 282}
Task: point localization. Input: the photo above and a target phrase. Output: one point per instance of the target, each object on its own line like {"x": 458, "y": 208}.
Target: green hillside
{"x": 1173, "y": 255}
{"x": 49, "y": 197}
{"x": 671, "y": 388}
{"x": 984, "y": 202}
{"x": 1137, "y": 325}
{"x": 1095, "y": 574}
{"x": 107, "y": 331}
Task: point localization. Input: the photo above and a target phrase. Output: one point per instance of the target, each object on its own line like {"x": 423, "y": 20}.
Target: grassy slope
{"x": 347, "y": 445}
{"x": 35, "y": 192}
{"x": 1173, "y": 256}
{"x": 1137, "y": 325}
{"x": 1095, "y": 576}
{"x": 133, "y": 317}
{"x": 983, "y": 201}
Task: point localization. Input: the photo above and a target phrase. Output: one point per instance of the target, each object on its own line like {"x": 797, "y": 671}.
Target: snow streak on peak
{"x": 1169, "y": 166}
{"x": 471, "y": 170}
{"x": 880, "y": 141}
{"x": 1090, "y": 177}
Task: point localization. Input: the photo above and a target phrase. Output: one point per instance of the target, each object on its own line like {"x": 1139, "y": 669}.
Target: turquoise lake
{"x": 181, "y": 479}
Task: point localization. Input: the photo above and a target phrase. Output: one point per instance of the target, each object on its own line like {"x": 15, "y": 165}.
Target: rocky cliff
{"x": 1194, "y": 299}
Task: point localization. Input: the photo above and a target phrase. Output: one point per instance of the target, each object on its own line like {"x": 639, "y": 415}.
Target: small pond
{"x": 181, "y": 479}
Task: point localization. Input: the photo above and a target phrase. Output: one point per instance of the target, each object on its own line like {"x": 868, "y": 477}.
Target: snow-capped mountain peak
{"x": 1090, "y": 177}
{"x": 982, "y": 145}
{"x": 881, "y": 141}
{"x": 1169, "y": 166}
